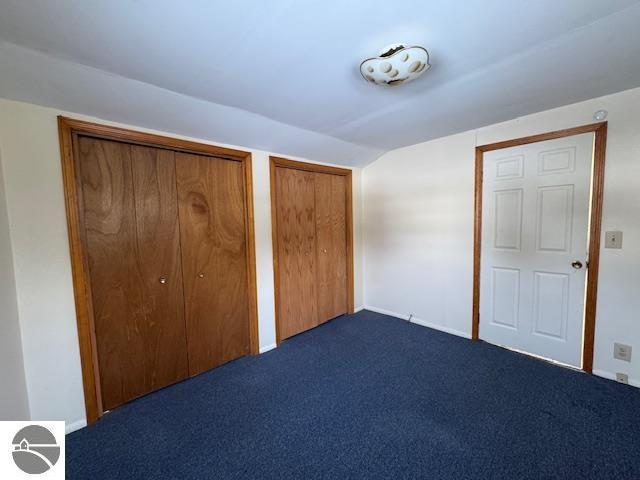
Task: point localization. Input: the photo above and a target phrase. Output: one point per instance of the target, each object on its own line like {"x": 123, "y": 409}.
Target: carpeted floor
{"x": 370, "y": 396}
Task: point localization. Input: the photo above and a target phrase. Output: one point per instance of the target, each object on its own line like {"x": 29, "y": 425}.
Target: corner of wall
{"x": 15, "y": 402}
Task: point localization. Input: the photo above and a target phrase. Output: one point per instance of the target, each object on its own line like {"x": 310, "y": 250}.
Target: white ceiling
{"x": 283, "y": 75}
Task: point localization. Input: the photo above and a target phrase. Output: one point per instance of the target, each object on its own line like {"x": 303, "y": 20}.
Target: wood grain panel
{"x": 109, "y": 132}
{"x": 214, "y": 259}
{"x": 543, "y": 137}
{"x": 158, "y": 240}
{"x": 331, "y": 241}
{"x": 70, "y": 130}
{"x": 477, "y": 244}
{"x": 70, "y": 163}
{"x": 296, "y": 234}
{"x": 116, "y": 283}
{"x": 597, "y": 198}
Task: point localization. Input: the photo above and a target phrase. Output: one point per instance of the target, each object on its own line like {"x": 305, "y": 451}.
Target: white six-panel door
{"x": 535, "y": 224}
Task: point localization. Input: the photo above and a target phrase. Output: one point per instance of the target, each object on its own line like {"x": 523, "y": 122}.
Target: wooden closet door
{"x": 295, "y": 194}
{"x": 140, "y": 345}
{"x": 214, "y": 259}
{"x": 158, "y": 233}
{"x": 331, "y": 251}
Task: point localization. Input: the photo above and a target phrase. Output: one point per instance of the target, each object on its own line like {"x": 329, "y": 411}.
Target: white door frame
{"x": 595, "y": 222}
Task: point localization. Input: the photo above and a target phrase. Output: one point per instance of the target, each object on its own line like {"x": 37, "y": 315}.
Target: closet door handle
{"x": 324, "y": 250}
{"x": 201, "y": 275}
{"x": 162, "y": 280}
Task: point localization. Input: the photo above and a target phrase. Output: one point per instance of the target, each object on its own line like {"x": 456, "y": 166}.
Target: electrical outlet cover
{"x": 622, "y": 378}
{"x": 622, "y": 352}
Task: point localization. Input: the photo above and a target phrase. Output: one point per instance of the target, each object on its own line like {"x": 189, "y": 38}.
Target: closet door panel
{"x": 214, "y": 263}
{"x": 296, "y": 251}
{"x": 330, "y": 194}
{"x": 158, "y": 234}
{"x": 116, "y": 281}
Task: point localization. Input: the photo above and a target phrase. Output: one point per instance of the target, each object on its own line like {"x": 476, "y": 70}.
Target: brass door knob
{"x": 162, "y": 280}
{"x": 201, "y": 275}
{"x": 324, "y": 250}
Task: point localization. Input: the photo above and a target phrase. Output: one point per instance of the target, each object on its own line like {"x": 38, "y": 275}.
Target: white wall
{"x": 13, "y": 394}
{"x": 33, "y": 178}
{"x": 418, "y": 226}
{"x": 418, "y": 231}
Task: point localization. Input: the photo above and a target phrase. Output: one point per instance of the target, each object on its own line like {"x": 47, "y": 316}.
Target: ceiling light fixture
{"x": 396, "y": 64}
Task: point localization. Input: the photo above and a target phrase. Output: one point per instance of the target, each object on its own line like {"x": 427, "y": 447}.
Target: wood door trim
{"x": 109, "y": 132}
{"x": 254, "y": 340}
{"x": 68, "y": 130}
{"x": 275, "y": 162}
{"x": 310, "y": 167}
{"x": 595, "y": 222}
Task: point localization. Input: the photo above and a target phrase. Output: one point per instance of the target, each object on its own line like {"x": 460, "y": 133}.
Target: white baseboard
{"x": 419, "y": 321}
{"x": 386, "y": 312}
{"x": 358, "y": 309}
{"x": 612, "y": 376}
{"x": 266, "y": 348}
{"x": 73, "y": 426}
{"x": 442, "y": 328}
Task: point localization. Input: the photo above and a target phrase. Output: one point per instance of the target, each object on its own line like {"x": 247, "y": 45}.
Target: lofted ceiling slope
{"x": 283, "y": 75}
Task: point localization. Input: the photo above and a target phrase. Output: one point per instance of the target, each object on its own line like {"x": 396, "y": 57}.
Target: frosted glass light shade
{"x": 396, "y": 65}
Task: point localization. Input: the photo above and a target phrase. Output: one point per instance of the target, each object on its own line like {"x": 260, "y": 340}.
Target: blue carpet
{"x": 370, "y": 396}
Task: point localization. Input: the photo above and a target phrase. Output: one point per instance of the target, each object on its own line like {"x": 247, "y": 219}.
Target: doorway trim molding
{"x": 69, "y": 129}
{"x": 595, "y": 222}
{"x": 275, "y": 162}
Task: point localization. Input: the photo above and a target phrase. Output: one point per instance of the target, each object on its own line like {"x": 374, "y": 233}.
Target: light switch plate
{"x": 613, "y": 239}
{"x": 622, "y": 352}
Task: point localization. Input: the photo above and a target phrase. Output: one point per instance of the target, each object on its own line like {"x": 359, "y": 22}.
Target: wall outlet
{"x": 622, "y": 378}
{"x": 622, "y": 352}
{"x": 613, "y": 239}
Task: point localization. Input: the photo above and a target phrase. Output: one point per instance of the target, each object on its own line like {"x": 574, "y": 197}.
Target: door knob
{"x": 577, "y": 264}
{"x": 324, "y": 250}
{"x": 201, "y": 275}
{"x": 162, "y": 280}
